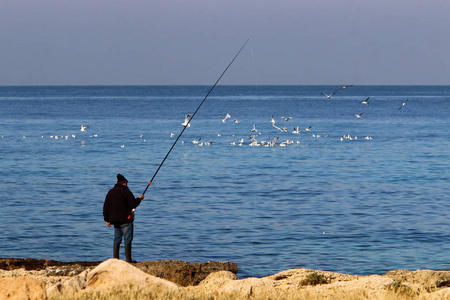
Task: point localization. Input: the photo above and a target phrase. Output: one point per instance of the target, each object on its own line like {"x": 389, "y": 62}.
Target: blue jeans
{"x": 124, "y": 231}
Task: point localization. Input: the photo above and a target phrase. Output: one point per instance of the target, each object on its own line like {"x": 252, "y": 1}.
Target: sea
{"x": 269, "y": 177}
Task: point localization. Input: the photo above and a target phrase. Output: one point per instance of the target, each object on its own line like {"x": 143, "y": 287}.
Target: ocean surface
{"x": 352, "y": 195}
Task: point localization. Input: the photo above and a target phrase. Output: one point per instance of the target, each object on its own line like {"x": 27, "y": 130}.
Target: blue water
{"x": 359, "y": 206}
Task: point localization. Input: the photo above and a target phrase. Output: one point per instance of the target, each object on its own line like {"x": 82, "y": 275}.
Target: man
{"x": 118, "y": 210}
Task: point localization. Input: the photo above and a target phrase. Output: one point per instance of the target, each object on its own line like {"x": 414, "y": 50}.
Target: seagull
{"x": 358, "y": 115}
{"x": 272, "y": 143}
{"x": 272, "y": 120}
{"x": 226, "y": 118}
{"x": 366, "y": 101}
{"x": 296, "y": 130}
{"x": 343, "y": 88}
{"x": 186, "y": 122}
{"x": 254, "y": 128}
{"x": 197, "y": 141}
{"x": 275, "y": 126}
{"x": 329, "y": 96}
{"x": 308, "y": 129}
{"x": 286, "y": 118}
{"x": 83, "y": 128}
{"x": 403, "y": 104}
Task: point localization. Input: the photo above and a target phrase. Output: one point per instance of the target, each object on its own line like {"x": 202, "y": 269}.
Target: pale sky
{"x": 184, "y": 42}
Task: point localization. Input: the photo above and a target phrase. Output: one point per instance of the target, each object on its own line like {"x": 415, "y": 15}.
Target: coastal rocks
{"x": 52, "y": 267}
{"x": 179, "y": 272}
{"x": 116, "y": 273}
{"x": 23, "y": 287}
{"x": 71, "y": 286}
{"x": 117, "y": 279}
{"x": 184, "y": 273}
{"x": 313, "y": 284}
{"x": 112, "y": 274}
{"x": 427, "y": 278}
{"x": 303, "y": 282}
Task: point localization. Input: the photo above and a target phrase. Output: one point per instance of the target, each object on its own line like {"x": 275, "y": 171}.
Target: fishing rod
{"x": 192, "y": 116}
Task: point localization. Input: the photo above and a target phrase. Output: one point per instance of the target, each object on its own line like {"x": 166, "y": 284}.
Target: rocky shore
{"x": 117, "y": 279}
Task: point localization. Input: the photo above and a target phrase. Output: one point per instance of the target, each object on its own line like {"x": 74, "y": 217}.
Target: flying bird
{"x": 308, "y": 129}
{"x": 83, "y": 128}
{"x": 345, "y": 86}
{"x": 366, "y": 101}
{"x": 186, "y": 121}
{"x": 286, "y": 118}
{"x": 296, "y": 130}
{"x": 272, "y": 120}
{"x": 358, "y": 115}
{"x": 278, "y": 128}
{"x": 226, "y": 118}
{"x": 329, "y": 96}
{"x": 403, "y": 104}
{"x": 272, "y": 142}
{"x": 254, "y": 128}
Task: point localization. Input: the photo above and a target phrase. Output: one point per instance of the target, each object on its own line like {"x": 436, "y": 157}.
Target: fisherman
{"x": 118, "y": 210}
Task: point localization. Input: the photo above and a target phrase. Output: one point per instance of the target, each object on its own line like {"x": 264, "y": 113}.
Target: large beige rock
{"x": 115, "y": 273}
{"x": 374, "y": 286}
{"x": 25, "y": 287}
{"x": 72, "y": 285}
{"x": 426, "y": 278}
{"x": 293, "y": 283}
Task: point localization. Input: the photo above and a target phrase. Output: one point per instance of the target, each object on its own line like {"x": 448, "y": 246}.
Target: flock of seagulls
{"x": 254, "y": 136}
{"x": 365, "y": 102}
{"x": 63, "y": 136}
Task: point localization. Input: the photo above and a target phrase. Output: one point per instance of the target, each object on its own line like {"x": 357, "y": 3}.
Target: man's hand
{"x": 141, "y": 197}
{"x": 108, "y": 224}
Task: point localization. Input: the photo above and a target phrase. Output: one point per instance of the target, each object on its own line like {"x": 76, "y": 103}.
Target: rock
{"x": 374, "y": 286}
{"x": 109, "y": 275}
{"x": 180, "y": 272}
{"x": 115, "y": 273}
{"x": 427, "y": 278}
{"x": 45, "y": 264}
{"x": 184, "y": 273}
{"x": 23, "y": 287}
{"x": 301, "y": 276}
{"x": 72, "y": 285}
{"x": 294, "y": 284}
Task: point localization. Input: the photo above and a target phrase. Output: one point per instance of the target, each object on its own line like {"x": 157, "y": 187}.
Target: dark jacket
{"x": 119, "y": 203}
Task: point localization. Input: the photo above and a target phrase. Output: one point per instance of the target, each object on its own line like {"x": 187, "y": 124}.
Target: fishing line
{"x": 192, "y": 116}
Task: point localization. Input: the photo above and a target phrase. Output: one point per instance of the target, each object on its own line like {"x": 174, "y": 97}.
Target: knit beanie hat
{"x": 121, "y": 178}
